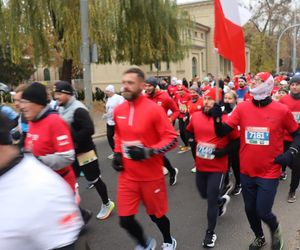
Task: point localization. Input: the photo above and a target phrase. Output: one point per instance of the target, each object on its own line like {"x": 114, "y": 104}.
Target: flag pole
{"x": 217, "y": 77}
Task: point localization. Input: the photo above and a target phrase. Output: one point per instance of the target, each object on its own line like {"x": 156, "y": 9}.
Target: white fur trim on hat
{"x": 263, "y": 90}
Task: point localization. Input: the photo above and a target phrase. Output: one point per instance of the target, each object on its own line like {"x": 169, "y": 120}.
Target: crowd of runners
{"x": 221, "y": 123}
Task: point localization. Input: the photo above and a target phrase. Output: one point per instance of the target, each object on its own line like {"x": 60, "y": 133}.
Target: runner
{"x": 50, "y": 217}
{"x": 262, "y": 123}
{"x": 166, "y": 102}
{"x": 293, "y": 102}
{"x": 112, "y": 101}
{"x": 143, "y": 135}
{"x": 82, "y": 128}
{"x": 211, "y": 164}
{"x": 230, "y": 103}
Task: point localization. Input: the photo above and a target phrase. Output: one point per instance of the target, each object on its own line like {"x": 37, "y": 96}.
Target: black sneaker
{"x": 277, "y": 241}
{"x": 223, "y": 205}
{"x": 258, "y": 243}
{"x": 227, "y": 189}
{"x": 209, "y": 240}
{"x": 237, "y": 189}
{"x": 173, "y": 177}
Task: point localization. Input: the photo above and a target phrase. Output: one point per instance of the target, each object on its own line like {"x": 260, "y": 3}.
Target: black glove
{"x": 216, "y": 111}
{"x": 117, "y": 162}
{"x": 286, "y": 159}
{"x": 220, "y": 152}
{"x": 138, "y": 153}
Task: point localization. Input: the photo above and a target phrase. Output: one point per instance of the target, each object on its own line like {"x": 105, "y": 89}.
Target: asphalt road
{"x": 187, "y": 213}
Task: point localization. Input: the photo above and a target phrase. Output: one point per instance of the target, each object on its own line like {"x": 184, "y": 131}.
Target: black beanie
{"x": 152, "y": 80}
{"x": 36, "y": 93}
{"x": 63, "y": 87}
{"x": 4, "y": 130}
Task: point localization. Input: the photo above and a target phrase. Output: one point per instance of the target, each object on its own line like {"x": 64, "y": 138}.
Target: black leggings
{"x": 234, "y": 163}
{"x": 209, "y": 186}
{"x": 168, "y": 165}
{"x": 182, "y": 126}
{"x": 136, "y": 231}
{"x": 110, "y": 132}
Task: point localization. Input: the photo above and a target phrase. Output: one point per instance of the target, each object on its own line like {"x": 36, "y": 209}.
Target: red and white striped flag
{"x": 229, "y": 36}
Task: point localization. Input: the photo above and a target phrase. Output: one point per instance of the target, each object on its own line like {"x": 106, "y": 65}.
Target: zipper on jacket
{"x": 131, "y": 114}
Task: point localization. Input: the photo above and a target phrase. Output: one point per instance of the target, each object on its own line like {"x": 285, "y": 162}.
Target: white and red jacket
{"x": 50, "y": 140}
{"x": 143, "y": 123}
{"x": 182, "y": 101}
{"x": 166, "y": 102}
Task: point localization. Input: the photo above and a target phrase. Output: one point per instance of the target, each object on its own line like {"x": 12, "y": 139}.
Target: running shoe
{"x": 223, "y": 204}
{"x": 86, "y": 215}
{"x": 277, "y": 241}
{"x": 227, "y": 189}
{"x": 151, "y": 245}
{"x": 209, "y": 240}
{"x": 173, "y": 177}
{"x": 193, "y": 170}
{"x": 291, "y": 197}
{"x": 110, "y": 157}
{"x": 283, "y": 176}
{"x": 237, "y": 189}
{"x": 258, "y": 243}
{"x": 90, "y": 186}
{"x": 106, "y": 210}
{"x": 170, "y": 246}
{"x": 184, "y": 149}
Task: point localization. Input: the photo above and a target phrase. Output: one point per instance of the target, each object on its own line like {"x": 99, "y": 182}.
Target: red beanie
{"x": 211, "y": 92}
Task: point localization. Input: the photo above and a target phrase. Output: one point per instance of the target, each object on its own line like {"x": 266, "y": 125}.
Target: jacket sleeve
{"x": 174, "y": 108}
{"x": 85, "y": 124}
{"x": 166, "y": 131}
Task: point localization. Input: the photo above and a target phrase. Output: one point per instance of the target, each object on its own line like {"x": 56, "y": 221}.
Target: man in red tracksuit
{"x": 293, "y": 102}
{"x": 181, "y": 99}
{"x": 211, "y": 163}
{"x": 143, "y": 134}
{"x": 162, "y": 99}
{"x": 262, "y": 125}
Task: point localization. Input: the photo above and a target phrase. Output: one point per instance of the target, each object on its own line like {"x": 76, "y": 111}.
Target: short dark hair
{"x": 137, "y": 71}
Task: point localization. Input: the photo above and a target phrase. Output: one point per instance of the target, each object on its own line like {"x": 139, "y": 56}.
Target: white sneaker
{"x": 106, "y": 210}
{"x": 193, "y": 170}
{"x": 168, "y": 246}
{"x": 166, "y": 171}
{"x": 110, "y": 157}
{"x": 151, "y": 245}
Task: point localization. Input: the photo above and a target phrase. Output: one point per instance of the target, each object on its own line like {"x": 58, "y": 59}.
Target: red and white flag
{"x": 229, "y": 36}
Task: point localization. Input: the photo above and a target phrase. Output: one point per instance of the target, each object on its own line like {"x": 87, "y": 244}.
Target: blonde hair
{"x": 233, "y": 93}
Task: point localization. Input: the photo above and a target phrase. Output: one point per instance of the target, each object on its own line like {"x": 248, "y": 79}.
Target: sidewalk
{"x": 100, "y": 125}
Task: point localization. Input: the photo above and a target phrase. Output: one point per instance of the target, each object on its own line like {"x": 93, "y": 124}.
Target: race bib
{"x": 182, "y": 107}
{"x": 296, "y": 116}
{"x": 126, "y": 144}
{"x": 257, "y": 136}
{"x": 86, "y": 158}
{"x": 205, "y": 150}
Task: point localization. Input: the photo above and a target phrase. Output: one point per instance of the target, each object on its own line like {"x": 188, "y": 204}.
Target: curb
{"x": 97, "y": 136}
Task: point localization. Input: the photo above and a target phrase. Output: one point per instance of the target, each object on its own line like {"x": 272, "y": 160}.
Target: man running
{"x": 162, "y": 99}
{"x": 143, "y": 135}
{"x": 52, "y": 219}
{"x": 262, "y": 124}
{"x": 82, "y": 129}
{"x": 211, "y": 163}
{"x": 293, "y": 102}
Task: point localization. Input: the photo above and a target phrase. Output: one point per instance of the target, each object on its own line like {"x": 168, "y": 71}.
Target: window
{"x": 196, "y": 34}
{"x": 46, "y": 74}
{"x": 194, "y": 66}
{"x": 202, "y": 36}
{"x": 202, "y": 62}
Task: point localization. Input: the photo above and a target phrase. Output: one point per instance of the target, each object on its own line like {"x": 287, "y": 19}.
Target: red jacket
{"x": 51, "y": 135}
{"x": 202, "y": 126}
{"x": 142, "y": 122}
{"x": 166, "y": 102}
{"x": 194, "y": 106}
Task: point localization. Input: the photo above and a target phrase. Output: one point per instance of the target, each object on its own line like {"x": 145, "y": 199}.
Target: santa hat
{"x": 110, "y": 88}
{"x": 264, "y": 89}
{"x": 174, "y": 81}
{"x": 211, "y": 92}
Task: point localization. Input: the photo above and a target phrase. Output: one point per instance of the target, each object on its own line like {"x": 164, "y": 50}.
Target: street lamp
{"x": 278, "y": 45}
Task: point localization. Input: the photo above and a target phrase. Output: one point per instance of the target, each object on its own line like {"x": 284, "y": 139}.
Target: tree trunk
{"x": 66, "y": 74}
